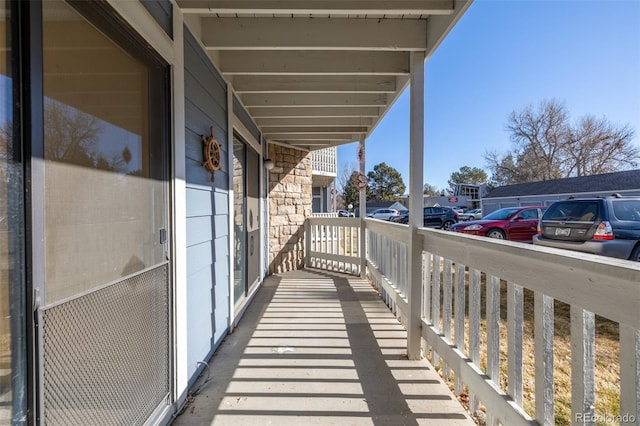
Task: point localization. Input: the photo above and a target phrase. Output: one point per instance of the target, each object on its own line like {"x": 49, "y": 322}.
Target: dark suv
{"x": 434, "y": 217}
{"x": 609, "y": 226}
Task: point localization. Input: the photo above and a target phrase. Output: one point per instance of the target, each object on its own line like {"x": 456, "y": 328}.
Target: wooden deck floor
{"x": 317, "y": 348}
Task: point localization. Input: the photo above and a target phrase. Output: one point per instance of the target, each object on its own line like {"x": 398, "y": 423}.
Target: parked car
{"x": 473, "y": 214}
{"x": 345, "y": 213}
{"x": 384, "y": 214}
{"x": 609, "y": 226}
{"x": 434, "y": 217}
{"x": 509, "y": 223}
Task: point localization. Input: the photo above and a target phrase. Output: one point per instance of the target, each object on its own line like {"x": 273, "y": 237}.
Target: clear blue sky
{"x": 503, "y": 56}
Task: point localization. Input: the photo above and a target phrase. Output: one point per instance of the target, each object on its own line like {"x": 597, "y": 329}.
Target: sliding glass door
{"x": 246, "y": 218}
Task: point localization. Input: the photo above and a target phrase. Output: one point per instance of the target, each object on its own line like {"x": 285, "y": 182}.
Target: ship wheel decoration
{"x": 211, "y": 153}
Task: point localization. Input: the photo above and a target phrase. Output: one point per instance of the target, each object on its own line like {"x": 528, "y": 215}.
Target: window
{"x": 105, "y": 189}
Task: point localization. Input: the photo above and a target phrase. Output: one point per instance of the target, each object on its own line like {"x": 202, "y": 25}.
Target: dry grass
{"x": 607, "y": 375}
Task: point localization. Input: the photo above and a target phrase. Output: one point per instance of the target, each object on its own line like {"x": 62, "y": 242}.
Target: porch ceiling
{"x": 318, "y": 73}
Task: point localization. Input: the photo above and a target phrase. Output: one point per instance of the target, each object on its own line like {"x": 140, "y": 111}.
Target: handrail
{"x": 592, "y": 285}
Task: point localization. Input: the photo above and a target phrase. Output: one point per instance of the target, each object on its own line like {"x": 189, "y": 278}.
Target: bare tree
{"x": 546, "y": 146}
{"x": 538, "y": 137}
{"x": 344, "y": 175}
{"x": 595, "y": 146}
{"x": 71, "y": 135}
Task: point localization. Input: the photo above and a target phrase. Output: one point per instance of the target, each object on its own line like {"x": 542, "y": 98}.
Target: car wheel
{"x": 447, "y": 225}
{"x": 635, "y": 256}
{"x": 496, "y": 233}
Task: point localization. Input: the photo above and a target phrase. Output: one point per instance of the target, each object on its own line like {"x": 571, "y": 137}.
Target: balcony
{"x": 486, "y": 315}
{"x": 324, "y": 162}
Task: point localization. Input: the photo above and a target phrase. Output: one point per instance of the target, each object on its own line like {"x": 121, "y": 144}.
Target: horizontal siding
{"x": 199, "y": 230}
{"x": 208, "y": 280}
{"x": 245, "y": 118}
{"x": 162, "y": 12}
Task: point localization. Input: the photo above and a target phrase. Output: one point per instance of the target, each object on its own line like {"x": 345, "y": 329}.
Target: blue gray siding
{"x": 244, "y": 117}
{"x": 162, "y": 12}
{"x": 207, "y": 207}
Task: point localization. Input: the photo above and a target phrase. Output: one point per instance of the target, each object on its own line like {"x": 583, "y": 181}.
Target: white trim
{"x": 136, "y": 15}
{"x": 289, "y": 146}
{"x": 230, "y": 206}
{"x": 239, "y": 127}
{"x": 179, "y": 217}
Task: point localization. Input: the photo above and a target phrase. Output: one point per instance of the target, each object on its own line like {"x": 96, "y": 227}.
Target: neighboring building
{"x": 324, "y": 168}
{"x": 466, "y": 196}
{"x": 546, "y": 192}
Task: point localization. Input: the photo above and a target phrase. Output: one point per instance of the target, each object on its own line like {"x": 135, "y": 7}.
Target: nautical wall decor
{"x": 211, "y": 154}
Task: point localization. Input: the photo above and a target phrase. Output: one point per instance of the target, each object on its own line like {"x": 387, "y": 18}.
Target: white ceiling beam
{"x": 313, "y": 84}
{"x": 312, "y": 130}
{"x": 314, "y": 34}
{"x": 314, "y": 121}
{"x": 285, "y": 112}
{"x": 314, "y": 62}
{"x": 312, "y": 137}
{"x": 310, "y": 100}
{"x": 324, "y": 7}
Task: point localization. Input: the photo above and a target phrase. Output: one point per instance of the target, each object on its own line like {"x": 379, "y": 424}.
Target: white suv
{"x": 384, "y": 214}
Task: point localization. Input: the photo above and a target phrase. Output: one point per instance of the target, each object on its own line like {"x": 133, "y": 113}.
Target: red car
{"x": 509, "y": 223}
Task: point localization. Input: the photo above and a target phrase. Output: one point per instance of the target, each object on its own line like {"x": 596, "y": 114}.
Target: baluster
{"x": 493, "y": 334}
{"x": 630, "y": 373}
{"x": 458, "y": 315}
{"x": 447, "y": 306}
{"x": 515, "y": 318}
{"x": 435, "y": 303}
{"x": 426, "y": 287}
{"x": 474, "y": 329}
{"x": 583, "y": 359}
{"x": 543, "y": 311}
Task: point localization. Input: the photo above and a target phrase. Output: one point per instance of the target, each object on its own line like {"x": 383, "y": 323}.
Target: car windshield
{"x": 501, "y": 214}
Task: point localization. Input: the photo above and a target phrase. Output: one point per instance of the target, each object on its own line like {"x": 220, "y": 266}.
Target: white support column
{"x": 416, "y": 155}
{"x": 363, "y": 214}
{"x": 178, "y": 235}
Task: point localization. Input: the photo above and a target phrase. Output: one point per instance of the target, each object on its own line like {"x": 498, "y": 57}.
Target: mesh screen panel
{"x": 106, "y": 354}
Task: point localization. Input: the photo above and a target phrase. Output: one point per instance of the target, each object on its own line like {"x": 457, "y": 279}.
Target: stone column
{"x": 289, "y": 206}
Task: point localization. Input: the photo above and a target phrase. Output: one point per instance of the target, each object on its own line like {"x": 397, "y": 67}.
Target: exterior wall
{"x": 207, "y": 208}
{"x": 289, "y": 206}
{"x": 492, "y": 204}
{"x": 162, "y": 12}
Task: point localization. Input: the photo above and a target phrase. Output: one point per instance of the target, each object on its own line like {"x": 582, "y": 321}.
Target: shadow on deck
{"x": 320, "y": 348}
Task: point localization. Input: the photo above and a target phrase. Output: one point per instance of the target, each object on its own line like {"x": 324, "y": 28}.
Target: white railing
{"x": 324, "y": 214}
{"x": 325, "y": 161}
{"x": 484, "y": 301}
{"x": 333, "y": 244}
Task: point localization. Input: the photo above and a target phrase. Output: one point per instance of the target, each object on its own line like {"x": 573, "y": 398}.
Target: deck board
{"x": 319, "y": 348}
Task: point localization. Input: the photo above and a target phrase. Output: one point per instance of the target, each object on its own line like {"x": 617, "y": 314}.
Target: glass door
{"x": 13, "y": 318}
{"x": 246, "y": 222}
{"x": 239, "y": 227}
{"x": 105, "y": 313}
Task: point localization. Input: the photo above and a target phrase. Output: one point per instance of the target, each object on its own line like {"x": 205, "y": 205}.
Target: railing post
{"x": 416, "y": 159}
{"x": 363, "y": 215}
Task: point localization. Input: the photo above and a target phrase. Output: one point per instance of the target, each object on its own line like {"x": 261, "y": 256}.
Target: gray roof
{"x": 385, "y": 205}
{"x": 614, "y": 182}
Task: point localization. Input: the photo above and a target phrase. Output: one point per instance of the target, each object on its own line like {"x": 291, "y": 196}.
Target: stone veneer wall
{"x": 289, "y": 206}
